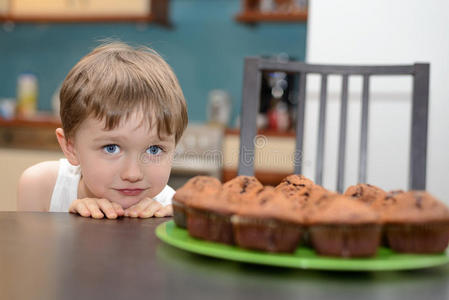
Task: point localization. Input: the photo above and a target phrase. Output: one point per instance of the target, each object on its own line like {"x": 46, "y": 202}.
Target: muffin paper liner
{"x": 345, "y": 240}
{"x": 179, "y": 214}
{"x": 209, "y": 225}
{"x": 266, "y": 234}
{"x": 418, "y": 238}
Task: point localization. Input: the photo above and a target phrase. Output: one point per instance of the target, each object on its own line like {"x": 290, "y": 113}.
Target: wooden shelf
{"x": 36, "y": 133}
{"x": 292, "y": 134}
{"x": 255, "y": 11}
{"x": 257, "y": 16}
{"x": 40, "y": 120}
{"x": 159, "y": 14}
{"x": 80, "y": 19}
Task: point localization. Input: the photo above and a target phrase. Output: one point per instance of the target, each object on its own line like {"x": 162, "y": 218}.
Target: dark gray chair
{"x": 254, "y": 67}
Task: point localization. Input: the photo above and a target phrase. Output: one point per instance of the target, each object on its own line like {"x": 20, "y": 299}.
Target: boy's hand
{"x": 96, "y": 208}
{"x": 148, "y": 208}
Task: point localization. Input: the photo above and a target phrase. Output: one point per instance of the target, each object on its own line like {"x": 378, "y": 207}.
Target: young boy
{"x": 122, "y": 113}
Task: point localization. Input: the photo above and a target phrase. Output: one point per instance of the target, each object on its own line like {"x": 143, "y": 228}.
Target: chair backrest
{"x": 254, "y": 67}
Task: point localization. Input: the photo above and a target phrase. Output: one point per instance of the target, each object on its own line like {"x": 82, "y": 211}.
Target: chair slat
{"x": 418, "y": 149}
{"x": 250, "y": 109}
{"x": 342, "y": 138}
{"x": 364, "y": 131}
{"x": 321, "y": 131}
{"x": 297, "y": 66}
{"x": 298, "y": 155}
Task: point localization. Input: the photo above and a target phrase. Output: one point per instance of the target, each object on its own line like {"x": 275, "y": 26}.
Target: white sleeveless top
{"x": 66, "y": 188}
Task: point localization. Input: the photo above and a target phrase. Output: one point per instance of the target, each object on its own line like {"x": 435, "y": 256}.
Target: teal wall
{"x": 206, "y": 49}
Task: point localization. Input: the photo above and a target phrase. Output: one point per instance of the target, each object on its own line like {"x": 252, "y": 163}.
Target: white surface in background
{"x": 381, "y": 32}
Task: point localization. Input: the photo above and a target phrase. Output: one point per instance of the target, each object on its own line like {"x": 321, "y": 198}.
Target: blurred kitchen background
{"x": 206, "y": 41}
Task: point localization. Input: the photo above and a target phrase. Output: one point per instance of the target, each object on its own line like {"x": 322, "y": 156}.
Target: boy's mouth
{"x": 130, "y": 192}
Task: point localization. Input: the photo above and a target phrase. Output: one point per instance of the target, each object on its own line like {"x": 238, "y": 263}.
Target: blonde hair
{"x": 116, "y": 80}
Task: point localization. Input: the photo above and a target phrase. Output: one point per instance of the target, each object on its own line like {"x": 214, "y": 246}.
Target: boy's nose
{"x": 131, "y": 171}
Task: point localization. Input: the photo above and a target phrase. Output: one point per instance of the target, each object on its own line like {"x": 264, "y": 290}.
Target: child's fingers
{"x": 131, "y": 212}
{"x": 150, "y": 209}
{"x": 107, "y": 208}
{"x": 134, "y": 210}
{"x": 72, "y": 208}
{"x": 118, "y": 209}
{"x": 94, "y": 209}
{"x": 166, "y": 211}
{"x": 78, "y": 207}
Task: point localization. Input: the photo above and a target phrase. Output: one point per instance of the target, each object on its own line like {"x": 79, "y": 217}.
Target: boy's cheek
{"x": 162, "y": 160}
{"x": 161, "y": 164}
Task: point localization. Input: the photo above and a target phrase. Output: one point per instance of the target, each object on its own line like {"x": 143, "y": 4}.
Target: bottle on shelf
{"x": 27, "y": 90}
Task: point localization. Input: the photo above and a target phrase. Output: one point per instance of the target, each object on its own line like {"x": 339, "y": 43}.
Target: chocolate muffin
{"x": 344, "y": 227}
{"x": 241, "y": 189}
{"x": 416, "y": 222}
{"x": 373, "y": 196}
{"x": 198, "y": 186}
{"x": 211, "y": 220}
{"x": 269, "y": 222}
{"x": 381, "y": 205}
{"x": 366, "y": 193}
{"x": 302, "y": 190}
{"x": 294, "y": 184}
{"x": 318, "y": 196}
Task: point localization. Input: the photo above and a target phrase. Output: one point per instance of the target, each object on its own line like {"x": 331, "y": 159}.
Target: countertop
{"x": 64, "y": 256}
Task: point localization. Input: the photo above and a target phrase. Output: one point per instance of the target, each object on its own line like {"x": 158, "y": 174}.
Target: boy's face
{"x": 125, "y": 164}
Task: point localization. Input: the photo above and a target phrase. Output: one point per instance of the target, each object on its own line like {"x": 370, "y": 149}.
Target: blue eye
{"x": 111, "y": 149}
{"x": 154, "y": 150}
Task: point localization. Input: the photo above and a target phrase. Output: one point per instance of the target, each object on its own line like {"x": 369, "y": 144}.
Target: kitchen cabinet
{"x": 23, "y": 143}
{"x": 273, "y": 155}
{"x": 12, "y": 164}
{"x": 254, "y": 11}
{"x": 85, "y": 11}
{"x": 36, "y": 133}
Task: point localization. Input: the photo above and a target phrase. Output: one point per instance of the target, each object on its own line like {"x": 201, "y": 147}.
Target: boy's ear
{"x": 67, "y": 147}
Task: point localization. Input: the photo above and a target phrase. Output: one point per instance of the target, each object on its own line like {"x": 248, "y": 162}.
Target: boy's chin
{"x": 127, "y": 203}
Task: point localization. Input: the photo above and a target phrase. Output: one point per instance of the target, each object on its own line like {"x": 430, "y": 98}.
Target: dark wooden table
{"x": 63, "y": 256}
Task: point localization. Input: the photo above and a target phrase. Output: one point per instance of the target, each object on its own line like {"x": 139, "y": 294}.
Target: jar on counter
{"x": 219, "y": 107}
{"x": 7, "y": 108}
{"x": 27, "y": 90}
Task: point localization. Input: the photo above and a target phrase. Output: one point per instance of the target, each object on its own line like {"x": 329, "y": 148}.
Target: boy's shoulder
{"x": 36, "y": 186}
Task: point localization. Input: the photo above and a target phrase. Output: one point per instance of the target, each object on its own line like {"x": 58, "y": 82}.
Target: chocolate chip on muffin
{"x": 365, "y": 192}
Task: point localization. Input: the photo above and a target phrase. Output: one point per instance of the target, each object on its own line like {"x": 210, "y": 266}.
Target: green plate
{"x": 304, "y": 258}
